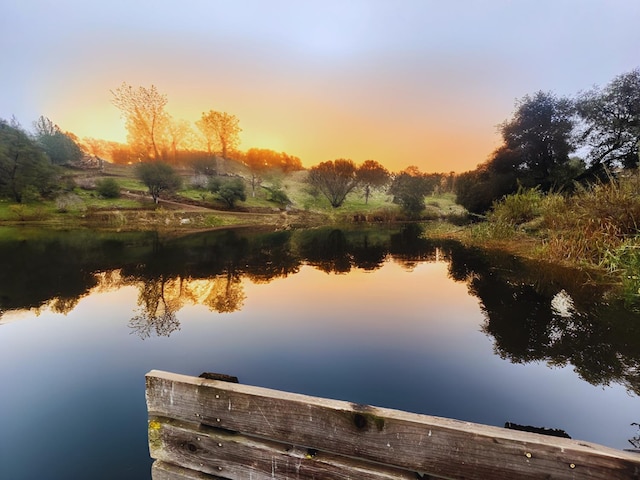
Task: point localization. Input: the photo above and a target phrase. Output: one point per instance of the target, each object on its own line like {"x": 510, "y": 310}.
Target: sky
{"x": 403, "y": 82}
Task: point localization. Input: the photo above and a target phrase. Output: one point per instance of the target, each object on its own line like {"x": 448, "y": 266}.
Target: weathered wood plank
{"x": 165, "y": 471}
{"x": 437, "y": 446}
{"x": 237, "y": 457}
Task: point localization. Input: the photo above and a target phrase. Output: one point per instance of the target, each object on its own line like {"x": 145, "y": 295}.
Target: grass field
{"x": 82, "y": 203}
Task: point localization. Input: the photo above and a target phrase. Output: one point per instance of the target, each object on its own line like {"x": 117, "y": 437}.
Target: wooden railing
{"x": 211, "y": 429}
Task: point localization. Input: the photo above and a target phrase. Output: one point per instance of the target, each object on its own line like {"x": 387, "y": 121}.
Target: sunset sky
{"x": 403, "y": 82}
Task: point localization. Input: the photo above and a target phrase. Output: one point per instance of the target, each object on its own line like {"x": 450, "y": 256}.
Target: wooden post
{"x": 208, "y": 429}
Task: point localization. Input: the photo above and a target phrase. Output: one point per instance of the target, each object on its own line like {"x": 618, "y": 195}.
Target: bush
{"x": 230, "y": 191}
{"x": 277, "y": 195}
{"x": 108, "y": 188}
{"x": 518, "y": 208}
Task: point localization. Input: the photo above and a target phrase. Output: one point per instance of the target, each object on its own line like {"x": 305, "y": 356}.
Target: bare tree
{"x": 220, "y": 130}
{"x": 144, "y": 112}
{"x": 334, "y": 179}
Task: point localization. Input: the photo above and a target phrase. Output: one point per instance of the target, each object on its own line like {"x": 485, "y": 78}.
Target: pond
{"x": 375, "y": 316}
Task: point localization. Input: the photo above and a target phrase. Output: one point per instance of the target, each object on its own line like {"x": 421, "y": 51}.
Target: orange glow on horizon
{"x": 312, "y": 129}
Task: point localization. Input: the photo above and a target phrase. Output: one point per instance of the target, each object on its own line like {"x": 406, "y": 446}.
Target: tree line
{"x": 553, "y": 143}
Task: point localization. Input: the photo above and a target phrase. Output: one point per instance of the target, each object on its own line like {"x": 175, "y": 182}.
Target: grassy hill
{"x": 195, "y": 207}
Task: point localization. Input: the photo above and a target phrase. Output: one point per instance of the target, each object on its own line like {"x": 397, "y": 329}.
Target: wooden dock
{"x": 211, "y": 429}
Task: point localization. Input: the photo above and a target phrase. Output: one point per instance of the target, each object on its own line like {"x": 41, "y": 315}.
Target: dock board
{"x": 211, "y": 429}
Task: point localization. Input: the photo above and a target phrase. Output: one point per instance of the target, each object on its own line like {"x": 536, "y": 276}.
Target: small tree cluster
{"x": 335, "y": 179}
{"x": 25, "y": 171}
{"x": 409, "y": 189}
{"x": 159, "y": 177}
{"x": 538, "y": 142}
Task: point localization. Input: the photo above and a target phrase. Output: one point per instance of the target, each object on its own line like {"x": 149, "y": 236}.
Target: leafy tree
{"x": 108, "y": 188}
{"x": 334, "y": 179}
{"x": 535, "y": 153}
{"x": 409, "y": 189}
{"x": 159, "y": 177}
{"x": 540, "y": 137}
{"x": 220, "y": 130}
{"x": 230, "y": 191}
{"x": 23, "y": 166}
{"x": 60, "y": 147}
{"x": 611, "y": 122}
{"x": 372, "y": 174}
{"x": 146, "y": 120}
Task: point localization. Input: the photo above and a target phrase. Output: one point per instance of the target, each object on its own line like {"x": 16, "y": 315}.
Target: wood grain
{"x": 421, "y": 444}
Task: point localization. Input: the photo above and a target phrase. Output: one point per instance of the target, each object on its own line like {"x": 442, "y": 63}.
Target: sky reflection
{"x": 391, "y": 337}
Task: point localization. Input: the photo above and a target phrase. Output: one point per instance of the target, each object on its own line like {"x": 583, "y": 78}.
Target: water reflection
{"x": 532, "y": 312}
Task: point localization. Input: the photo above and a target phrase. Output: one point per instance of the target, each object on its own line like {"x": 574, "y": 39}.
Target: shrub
{"x": 108, "y": 188}
{"x": 518, "y": 208}
{"x": 277, "y": 195}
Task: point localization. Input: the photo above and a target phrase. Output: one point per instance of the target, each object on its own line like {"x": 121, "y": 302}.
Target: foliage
{"x": 372, "y": 174}
{"x": 220, "y": 130}
{"x": 611, "y": 122}
{"x": 24, "y": 170}
{"x": 159, "y": 177}
{"x": 335, "y": 179}
{"x": 521, "y": 207}
{"x": 540, "y": 137}
{"x": 108, "y": 188}
{"x": 535, "y": 153}
{"x": 277, "y": 195}
{"x": 230, "y": 191}
{"x": 409, "y": 189}
{"x": 60, "y": 147}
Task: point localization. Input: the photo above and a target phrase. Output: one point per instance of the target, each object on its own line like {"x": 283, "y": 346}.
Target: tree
{"x": 23, "y": 166}
{"x": 540, "y": 136}
{"x": 230, "y": 191}
{"x": 146, "y": 120}
{"x": 258, "y": 161}
{"x": 371, "y": 174}
{"x": 220, "y": 130}
{"x": 611, "y": 122}
{"x": 409, "y": 189}
{"x": 334, "y": 179}
{"x": 61, "y": 148}
{"x": 158, "y": 177}
{"x": 178, "y": 132}
{"x": 537, "y": 143}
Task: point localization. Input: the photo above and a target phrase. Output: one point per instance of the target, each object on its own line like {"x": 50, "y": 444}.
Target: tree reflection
{"x": 533, "y": 312}
{"x": 156, "y": 315}
{"x": 226, "y": 294}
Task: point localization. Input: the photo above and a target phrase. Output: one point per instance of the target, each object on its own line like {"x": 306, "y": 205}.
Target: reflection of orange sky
{"x": 360, "y": 295}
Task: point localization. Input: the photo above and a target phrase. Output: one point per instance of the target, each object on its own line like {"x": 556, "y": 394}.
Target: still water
{"x": 381, "y": 317}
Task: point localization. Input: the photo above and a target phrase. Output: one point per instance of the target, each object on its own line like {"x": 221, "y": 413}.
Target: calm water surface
{"x": 378, "y": 317}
